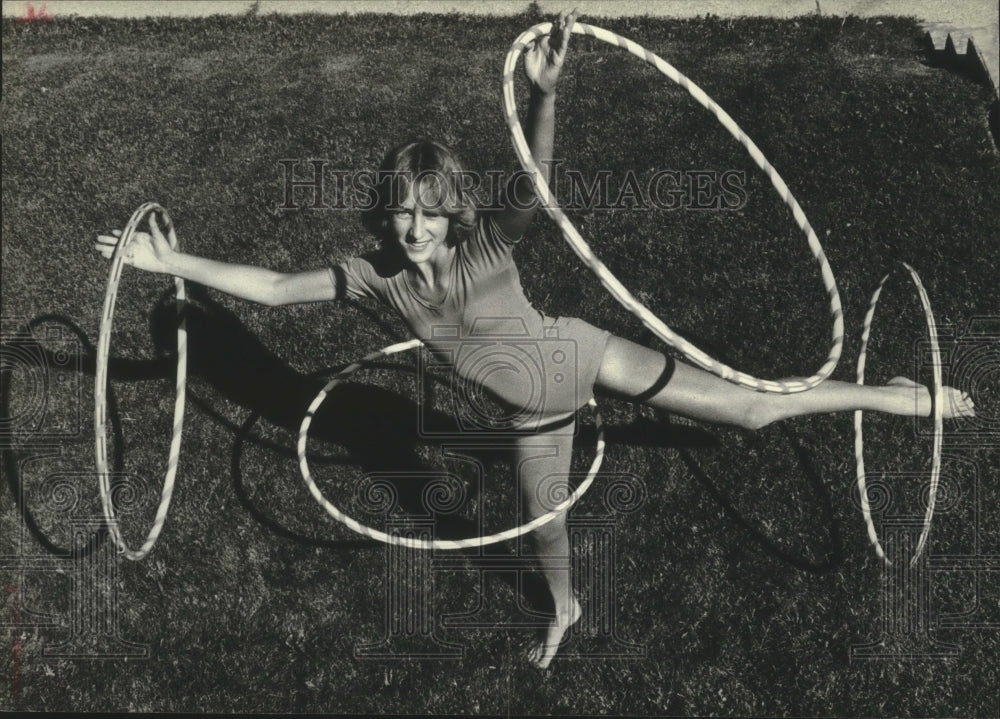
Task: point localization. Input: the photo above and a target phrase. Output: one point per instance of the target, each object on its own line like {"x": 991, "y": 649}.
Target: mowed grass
{"x": 745, "y": 573}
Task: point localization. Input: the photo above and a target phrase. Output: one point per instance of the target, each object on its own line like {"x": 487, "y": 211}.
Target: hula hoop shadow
{"x": 12, "y": 456}
{"x": 243, "y": 496}
{"x": 227, "y": 356}
{"x": 835, "y": 551}
{"x": 378, "y": 452}
{"x": 700, "y": 438}
{"x": 378, "y": 432}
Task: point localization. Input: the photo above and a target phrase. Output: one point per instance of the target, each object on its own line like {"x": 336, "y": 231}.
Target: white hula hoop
{"x": 101, "y": 384}
{"x": 613, "y": 285}
{"x": 442, "y": 544}
{"x": 937, "y": 398}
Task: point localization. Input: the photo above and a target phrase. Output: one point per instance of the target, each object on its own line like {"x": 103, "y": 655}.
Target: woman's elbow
{"x": 273, "y": 293}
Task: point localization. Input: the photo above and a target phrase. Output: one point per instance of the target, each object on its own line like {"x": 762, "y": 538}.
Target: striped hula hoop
{"x": 617, "y": 289}
{"x": 937, "y": 398}
{"x": 101, "y": 385}
{"x": 442, "y": 544}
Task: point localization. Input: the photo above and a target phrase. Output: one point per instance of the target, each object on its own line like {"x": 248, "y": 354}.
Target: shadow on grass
{"x": 700, "y": 438}
{"x": 834, "y": 555}
{"x": 24, "y": 352}
{"x": 375, "y": 427}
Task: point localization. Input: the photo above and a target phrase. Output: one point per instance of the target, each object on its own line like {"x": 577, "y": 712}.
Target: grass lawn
{"x": 742, "y": 575}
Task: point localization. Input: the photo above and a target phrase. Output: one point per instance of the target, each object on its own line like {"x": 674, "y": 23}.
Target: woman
{"x": 448, "y": 271}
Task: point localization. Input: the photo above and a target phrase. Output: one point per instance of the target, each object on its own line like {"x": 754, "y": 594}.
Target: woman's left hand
{"x": 544, "y": 58}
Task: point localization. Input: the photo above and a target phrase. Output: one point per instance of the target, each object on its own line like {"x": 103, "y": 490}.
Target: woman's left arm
{"x": 542, "y": 64}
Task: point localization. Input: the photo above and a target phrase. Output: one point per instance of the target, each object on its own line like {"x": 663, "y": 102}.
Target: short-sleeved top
{"x": 485, "y": 329}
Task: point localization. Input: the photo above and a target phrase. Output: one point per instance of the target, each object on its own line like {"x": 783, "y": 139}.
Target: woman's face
{"x": 419, "y": 225}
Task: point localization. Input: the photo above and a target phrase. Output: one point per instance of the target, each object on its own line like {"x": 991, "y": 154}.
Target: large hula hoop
{"x": 435, "y": 544}
{"x": 101, "y": 384}
{"x": 937, "y": 398}
{"x": 617, "y": 289}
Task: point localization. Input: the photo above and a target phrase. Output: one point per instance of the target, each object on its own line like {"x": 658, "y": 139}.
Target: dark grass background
{"x": 746, "y": 573}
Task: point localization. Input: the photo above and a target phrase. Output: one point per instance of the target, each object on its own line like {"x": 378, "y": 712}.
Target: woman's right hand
{"x": 543, "y": 60}
{"x": 147, "y": 251}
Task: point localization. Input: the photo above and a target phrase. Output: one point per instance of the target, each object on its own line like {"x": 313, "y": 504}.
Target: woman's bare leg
{"x": 543, "y": 463}
{"x": 634, "y": 372}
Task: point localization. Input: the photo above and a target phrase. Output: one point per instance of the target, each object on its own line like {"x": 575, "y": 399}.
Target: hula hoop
{"x": 442, "y": 544}
{"x": 610, "y": 282}
{"x": 937, "y": 398}
{"x": 101, "y": 384}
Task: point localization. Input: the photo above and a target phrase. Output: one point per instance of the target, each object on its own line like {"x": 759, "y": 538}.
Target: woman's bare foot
{"x": 956, "y": 403}
{"x": 541, "y": 654}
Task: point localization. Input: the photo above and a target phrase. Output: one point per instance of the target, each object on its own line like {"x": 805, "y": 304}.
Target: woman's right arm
{"x": 152, "y": 252}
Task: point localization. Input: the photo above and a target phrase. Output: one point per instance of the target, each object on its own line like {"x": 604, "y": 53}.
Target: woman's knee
{"x": 633, "y": 372}
{"x": 551, "y": 533}
{"x": 758, "y": 414}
